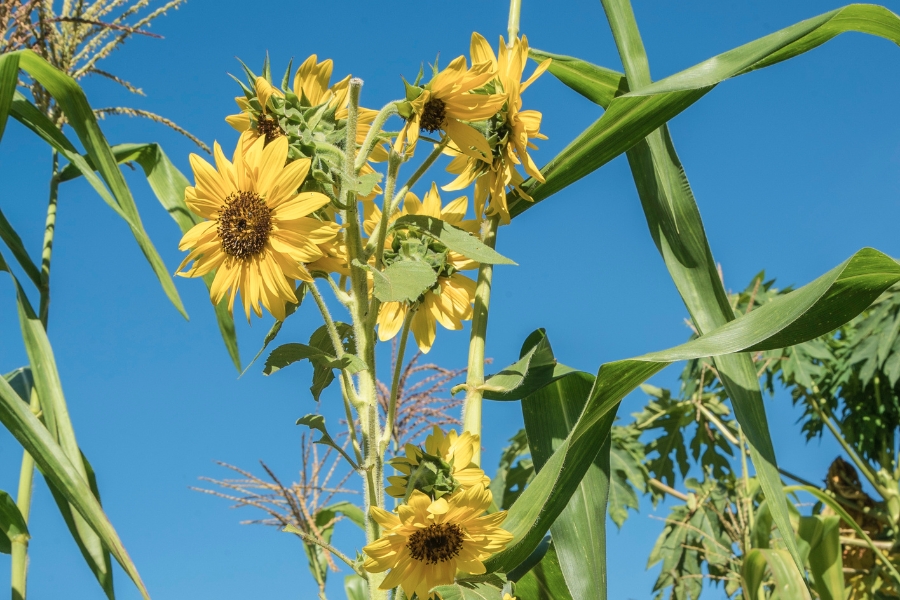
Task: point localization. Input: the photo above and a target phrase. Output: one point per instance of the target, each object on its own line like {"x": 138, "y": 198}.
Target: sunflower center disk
{"x": 244, "y": 225}
{"x": 433, "y": 115}
{"x": 436, "y": 543}
{"x": 268, "y": 128}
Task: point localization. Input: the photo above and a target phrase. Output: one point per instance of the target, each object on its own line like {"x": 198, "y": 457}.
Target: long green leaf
{"x": 12, "y": 523}
{"x": 789, "y": 585}
{"x": 168, "y": 184}
{"x": 66, "y": 477}
{"x": 12, "y": 240}
{"x": 579, "y": 533}
{"x": 808, "y": 312}
{"x": 51, "y": 459}
{"x": 96, "y": 556}
{"x": 631, "y": 117}
{"x": 825, "y": 561}
{"x": 56, "y": 416}
{"x": 545, "y": 581}
{"x": 79, "y": 115}
{"x": 839, "y": 510}
{"x": 9, "y": 78}
{"x": 94, "y": 543}
{"x": 669, "y": 204}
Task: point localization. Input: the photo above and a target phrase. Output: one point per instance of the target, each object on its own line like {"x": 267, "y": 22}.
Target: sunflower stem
{"x": 372, "y": 463}
{"x": 475, "y": 374}
{"x": 395, "y": 382}
{"x": 371, "y": 140}
{"x": 394, "y": 162}
{"x": 515, "y": 10}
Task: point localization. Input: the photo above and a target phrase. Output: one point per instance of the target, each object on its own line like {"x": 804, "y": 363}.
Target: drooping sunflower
{"x": 428, "y": 541}
{"x": 259, "y": 232}
{"x": 449, "y": 302}
{"x": 455, "y": 450}
{"x": 447, "y": 102}
{"x": 511, "y": 132}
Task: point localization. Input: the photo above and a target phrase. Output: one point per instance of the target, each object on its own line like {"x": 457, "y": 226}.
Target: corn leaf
{"x": 168, "y": 184}
{"x": 788, "y": 583}
{"x": 9, "y": 78}
{"x": 52, "y": 457}
{"x": 631, "y": 117}
{"x": 806, "y": 313}
{"x": 79, "y": 115}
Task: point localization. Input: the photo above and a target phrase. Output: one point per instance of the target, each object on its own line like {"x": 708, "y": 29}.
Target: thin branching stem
{"x": 395, "y": 382}
{"x": 371, "y": 140}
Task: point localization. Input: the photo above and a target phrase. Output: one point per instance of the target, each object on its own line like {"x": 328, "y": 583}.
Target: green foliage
{"x": 12, "y": 523}
{"x": 545, "y": 581}
{"x": 514, "y": 473}
{"x": 452, "y": 237}
{"x": 321, "y": 353}
{"x": 697, "y": 533}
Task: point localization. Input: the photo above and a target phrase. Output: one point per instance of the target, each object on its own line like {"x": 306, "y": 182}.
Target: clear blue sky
{"x": 794, "y": 168}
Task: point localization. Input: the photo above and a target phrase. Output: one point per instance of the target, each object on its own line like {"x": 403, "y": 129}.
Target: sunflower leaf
{"x": 453, "y": 238}
{"x": 474, "y": 587}
{"x": 317, "y": 422}
{"x": 364, "y": 184}
{"x": 403, "y": 281}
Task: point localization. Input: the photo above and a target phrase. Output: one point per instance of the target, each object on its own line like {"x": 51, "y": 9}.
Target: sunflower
{"x": 512, "y": 133}
{"x": 428, "y": 541}
{"x": 251, "y": 125}
{"x": 447, "y": 101}
{"x": 454, "y": 450}
{"x": 449, "y": 302}
{"x": 258, "y": 232}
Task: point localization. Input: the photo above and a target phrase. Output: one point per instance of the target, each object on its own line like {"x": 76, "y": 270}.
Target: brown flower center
{"x": 244, "y": 224}
{"x": 268, "y": 128}
{"x": 433, "y": 115}
{"x": 436, "y": 543}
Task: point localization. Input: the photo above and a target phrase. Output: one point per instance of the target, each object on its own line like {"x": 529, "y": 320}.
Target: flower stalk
{"x": 475, "y": 375}
{"x": 395, "y": 383}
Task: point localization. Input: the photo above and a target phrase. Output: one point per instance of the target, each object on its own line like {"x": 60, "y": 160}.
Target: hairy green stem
{"x": 475, "y": 373}
{"x": 387, "y": 209}
{"x": 395, "y": 382}
{"x": 372, "y": 463}
{"x": 350, "y": 390}
{"x": 372, "y": 137}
